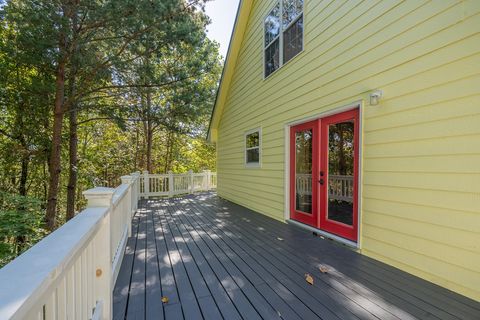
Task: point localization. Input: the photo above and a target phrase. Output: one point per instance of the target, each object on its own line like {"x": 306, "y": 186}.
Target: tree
{"x": 103, "y": 88}
{"x": 114, "y": 28}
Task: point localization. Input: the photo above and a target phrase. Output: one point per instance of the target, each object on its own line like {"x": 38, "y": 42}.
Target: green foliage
{"x": 118, "y": 55}
{"x": 21, "y": 225}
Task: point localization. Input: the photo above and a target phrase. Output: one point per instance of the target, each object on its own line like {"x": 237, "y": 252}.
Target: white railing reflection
{"x": 340, "y": 187}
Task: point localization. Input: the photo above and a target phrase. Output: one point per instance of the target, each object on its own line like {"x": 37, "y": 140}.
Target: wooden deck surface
{"x": 214, "y": 259}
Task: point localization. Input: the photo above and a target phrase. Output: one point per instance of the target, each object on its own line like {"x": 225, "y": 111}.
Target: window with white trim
{"x": 252, "y": 148}
{"x": 283, "y": 34}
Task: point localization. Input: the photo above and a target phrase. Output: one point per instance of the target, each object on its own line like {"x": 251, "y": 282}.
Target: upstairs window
{"x": 252, "y": 148}
{"x": 283, "y": 34}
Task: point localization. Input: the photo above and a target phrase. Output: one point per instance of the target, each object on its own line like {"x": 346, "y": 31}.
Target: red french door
{"x": 324, "y": 173}
{"x": 303, "y": 172}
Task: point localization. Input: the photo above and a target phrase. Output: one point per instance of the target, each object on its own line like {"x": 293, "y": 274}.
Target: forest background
{"x": 91, "y": 90}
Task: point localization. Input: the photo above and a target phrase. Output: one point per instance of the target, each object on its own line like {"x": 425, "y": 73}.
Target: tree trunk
{"x": 149, "y": 147}
{"x": 54, "y": 162}
{"x": 168, "y": 153}
{"x": 137, "y": 147}
{"x": 73, "y": 163}
{"x": 44, "y": 180}
{"x": 55, "y": 152}
{"x": 22, "y": 188}
{"x": 73, "y": 127}
{"x": 149, "y": 134}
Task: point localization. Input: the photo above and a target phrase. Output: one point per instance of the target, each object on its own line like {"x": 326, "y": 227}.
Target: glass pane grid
{"x": 253, "y": 155}
{"x": 303, "y": 171}
{"x": 272, "y": 57}
{"x": 272, "y": 25}
{"x": 253, "y": 139}
{"x": 288, "y": 17}
{"x": 293, "y": 40}
{"x": 291, "y": 10}
{"x": 341, "y": 162}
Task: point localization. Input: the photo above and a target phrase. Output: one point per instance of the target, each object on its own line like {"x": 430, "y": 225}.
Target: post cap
{"x": 126, "y": 179}
{"x": 99, "y": 196}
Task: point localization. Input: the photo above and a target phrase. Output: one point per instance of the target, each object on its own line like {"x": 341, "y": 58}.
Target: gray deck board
{"x": 217, "y": 260}
{"x": 297, "y": 264}
{"x": 122, "y": 286}
{"x": 153, "y": 290}
{"x": 379, "y": 275}
{"x": 136, "y": 299}
{"x": 412, "y": 297}
{"x": 324, "y": 307}
{"x": 244, "y": 279}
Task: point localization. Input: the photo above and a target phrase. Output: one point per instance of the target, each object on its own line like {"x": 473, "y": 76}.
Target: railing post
{"x": 171, "y": 184}
{"x": 102, "y": 197}
{"x": 190, "y": 175}
{"x": 136, "y": 190}
{"x": 130, "y": 181}
{"x": 207, "y": 179}
{"x": 146, "y": 184}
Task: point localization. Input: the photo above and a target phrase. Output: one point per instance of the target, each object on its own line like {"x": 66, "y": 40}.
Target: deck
{"x": 214, "y": 259}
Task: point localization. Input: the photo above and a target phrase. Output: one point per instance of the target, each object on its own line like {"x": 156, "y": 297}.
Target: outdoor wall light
{"x": 375, "y": 97}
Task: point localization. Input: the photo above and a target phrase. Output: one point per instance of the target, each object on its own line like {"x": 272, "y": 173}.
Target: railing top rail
{"x": 119, "y": 193}
{"x": 33, "y": 272}
{"x": 158, "y": 175}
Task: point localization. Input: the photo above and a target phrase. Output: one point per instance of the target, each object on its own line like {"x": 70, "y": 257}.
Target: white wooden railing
{"x": 172, "y": 184}
{"x": 71, "y": 273}
{"x": 340, "y": 187}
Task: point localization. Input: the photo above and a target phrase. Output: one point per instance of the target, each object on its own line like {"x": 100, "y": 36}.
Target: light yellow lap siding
{"x": 421, "y": 144}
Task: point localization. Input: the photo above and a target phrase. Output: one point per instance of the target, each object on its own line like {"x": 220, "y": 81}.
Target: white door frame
{"x": 356, "y": 104}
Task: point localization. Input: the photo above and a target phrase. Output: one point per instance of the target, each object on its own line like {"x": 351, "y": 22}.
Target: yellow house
{"x": 359, "y": 120}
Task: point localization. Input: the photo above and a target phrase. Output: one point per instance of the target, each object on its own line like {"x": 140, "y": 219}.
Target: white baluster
{"x": 171, "y": 185}
{"x": 146, "y": 184}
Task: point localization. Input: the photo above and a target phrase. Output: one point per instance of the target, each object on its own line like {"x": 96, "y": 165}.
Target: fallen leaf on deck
{"x": 323, "y": 269}
{"x": 309, "y": 279}
{"x": 165, "y": 299}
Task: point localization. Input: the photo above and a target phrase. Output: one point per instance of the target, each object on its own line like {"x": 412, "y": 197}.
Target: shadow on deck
{"x": 214, "y": 259}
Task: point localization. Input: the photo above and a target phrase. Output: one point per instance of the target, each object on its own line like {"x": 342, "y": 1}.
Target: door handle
{"x": 321, "y": 181}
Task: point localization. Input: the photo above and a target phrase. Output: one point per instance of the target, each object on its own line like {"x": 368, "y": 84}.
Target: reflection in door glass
{"x": 340, "y": 172}
{"x": 303, "y": 171}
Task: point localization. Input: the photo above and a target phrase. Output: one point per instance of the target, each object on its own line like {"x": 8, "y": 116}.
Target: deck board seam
{"x": 131, "y": 269}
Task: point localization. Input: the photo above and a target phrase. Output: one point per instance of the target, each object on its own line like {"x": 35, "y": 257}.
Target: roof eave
{"x": 232, "y": 54}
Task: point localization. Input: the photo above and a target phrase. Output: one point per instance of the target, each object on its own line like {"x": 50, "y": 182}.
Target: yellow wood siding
{"x": 420, "y": 145}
